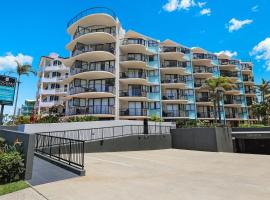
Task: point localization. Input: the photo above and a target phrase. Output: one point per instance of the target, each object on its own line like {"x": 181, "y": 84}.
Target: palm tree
{"x": 217, "y": 86}
{"x": 264, "y": 89}
{"x": 22, "y": 69}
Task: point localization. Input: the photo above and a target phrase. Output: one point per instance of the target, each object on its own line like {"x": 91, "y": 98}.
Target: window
{"x": 154, "y": 105}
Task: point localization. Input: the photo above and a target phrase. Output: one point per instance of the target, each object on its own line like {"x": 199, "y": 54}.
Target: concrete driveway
{"x": 166, "y": 175}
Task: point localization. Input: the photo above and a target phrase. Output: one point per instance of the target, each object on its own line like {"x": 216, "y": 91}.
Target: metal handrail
{"x": 89, "y": 11}
{"x": 101, "y": 133}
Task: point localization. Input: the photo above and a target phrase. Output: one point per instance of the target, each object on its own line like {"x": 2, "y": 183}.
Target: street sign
{"x": 7, "y": 90}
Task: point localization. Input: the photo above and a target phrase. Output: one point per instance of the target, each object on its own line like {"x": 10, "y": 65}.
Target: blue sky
{"x": 35, "y": 28}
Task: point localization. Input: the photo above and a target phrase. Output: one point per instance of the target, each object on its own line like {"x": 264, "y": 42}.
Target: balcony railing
{"x": 174, "y": 96}
{"x": 199, "y": 84}
{"x": 204, "y": 56}
{"x": 93, "y": 29}
{"x": 173, "y": 80}
{"x": 134, "y": 57}
{"x": 89, "y": 68}
{"x": 174, "y": 63}
{"x": 95, "y": 88}
{"x": 175, "y": 113}
{"x": 229, "y": 74}
{"x": 55, "y": 90}
{"x": 90, "y": 11}
{"x": 134, "y": 41}
{"x": 133, "y": 112}
{"x": 203, "y": 70}
{"x": 82, "y": 48}
{"x": 175, "y": 49}
{"x": 203, "y": 99}
{"x": 232, "y": 101}
{"x": 92, "y": 110}
{"x": 205, "y": 114}
{"x": 132, "y": 93}
{"x": 125, "y": 75}
{"x": 232, "y": 115}
{"x": 228, "y": 62}
{"x": 246, "y": 67}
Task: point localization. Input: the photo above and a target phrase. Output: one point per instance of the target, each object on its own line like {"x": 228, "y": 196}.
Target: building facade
{"x": 51, "y": 89}
{"x": 28, "y": 108}
{"x": 116, "y": 74}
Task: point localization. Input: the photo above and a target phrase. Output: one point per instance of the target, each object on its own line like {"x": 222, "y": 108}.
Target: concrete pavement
{"x": 166, "y": 174}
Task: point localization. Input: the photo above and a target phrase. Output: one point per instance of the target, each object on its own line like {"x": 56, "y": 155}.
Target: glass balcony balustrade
{"x": 132, "y": 93}
{"x": 204, "y": 56}
{"x": 92, "y": 110}
{"x": 93, "y": 29}
{"x": 183, "y": 50}
{"x": 80, "y": 67}
{"x": 133, "y": 112}
{"x": 92, "y": 88}
{"x": 83, "y": 48}
{"x": 174, "y": 63}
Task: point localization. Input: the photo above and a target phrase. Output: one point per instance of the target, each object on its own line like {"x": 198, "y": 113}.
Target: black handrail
{"x": 67, "y": 150}
{"x": 101, "y": 133}
{"x": 89, "y": 11}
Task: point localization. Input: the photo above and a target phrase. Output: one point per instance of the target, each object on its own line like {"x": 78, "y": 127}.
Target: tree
{"x": 217, "y": 87}
{"x": 264, "y": 89}
{"x": 21, "y": 69}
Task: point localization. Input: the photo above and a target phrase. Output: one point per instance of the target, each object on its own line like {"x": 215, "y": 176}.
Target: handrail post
{"x": 50, "y": 146}
{"x": 69, "y": 152}
{"x": 59, "y": 150}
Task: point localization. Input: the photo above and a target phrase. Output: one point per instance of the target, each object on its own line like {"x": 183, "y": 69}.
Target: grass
{"x": 12, "y": 187}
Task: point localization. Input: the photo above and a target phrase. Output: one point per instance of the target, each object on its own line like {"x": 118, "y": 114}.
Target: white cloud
{"x": 171, "y": 5}
{"x": 262, "y": 52}
{"x": 228, "y": 53}
{"x": 186, "y": 4}
{"x": 235, "y": 24}
{"x": 255, "y": 8}
{"x": 206, "y": 11}
{"x": 7, "y": 62}
{"x": 202, "y": 4}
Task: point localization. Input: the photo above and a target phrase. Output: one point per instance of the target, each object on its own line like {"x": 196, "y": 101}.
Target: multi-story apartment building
{"x": 27, "y": 108}
{"x": 116, "y": 74}
{"x": 51, "y": 88}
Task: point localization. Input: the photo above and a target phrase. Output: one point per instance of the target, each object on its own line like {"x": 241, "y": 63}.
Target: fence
{"x": 102, "y": 133}
{"x": 67, "y": 150}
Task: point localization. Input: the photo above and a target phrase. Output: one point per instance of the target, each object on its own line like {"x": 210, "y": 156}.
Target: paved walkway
{"x": 166, "y": 175}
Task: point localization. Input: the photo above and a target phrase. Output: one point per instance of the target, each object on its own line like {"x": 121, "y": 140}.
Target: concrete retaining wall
{"x": 202, "y": 139}
{"x": 28, "y": 142}
{"x": 130, "y": 143}
{"x": 38, "y": 128}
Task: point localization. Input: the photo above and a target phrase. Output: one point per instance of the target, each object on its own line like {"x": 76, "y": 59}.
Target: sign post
{"x": 7, "y": 93}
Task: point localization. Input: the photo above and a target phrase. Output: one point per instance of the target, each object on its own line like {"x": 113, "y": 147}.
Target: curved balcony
{"x": 178, "y": 82}
{"x": 174, "y": 66}
{"x": 97, "y": 91}
{"x": 54, "y": 79}
{"x": 92, "y": 16}
{"x": 136, "y": 95}
{"x": 134, "y": 45}
{"x": 56, "y": 91}
{"x": 96, "y": 110}
{"x": 133, "y": 78}
{"x": 56, "y": 68}
{"x": 233, "y": 76}
{"x": 205, "y": 72}
{"x": 232, "y": 103}
{"x": 203, "y": 101}
{"x": 172, "y": 53}
{"x": 228, "y": 64}
{"x": 172, "y": 97}
{"x": 175, "y": 114}
{"x": 134, "y": 60}
{"x": 91, "y": 53}
{"x": 133, "y": 113}
{"x": 203, "y": 59}
{"x": 92, "y": 71}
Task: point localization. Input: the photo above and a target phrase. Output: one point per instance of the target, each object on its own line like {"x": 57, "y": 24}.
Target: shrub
{"x": 155, "y": 118}
{"x": 22, "y": 120}
{"x": 49, "y": 119}
{"x": 11, "y": 166}
{"x": 80, "y": 119}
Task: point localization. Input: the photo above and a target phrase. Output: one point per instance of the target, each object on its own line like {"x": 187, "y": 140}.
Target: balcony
{"x": 135, "y": 57}
{"x": 94, "y": 90}
{"x": 132, "y": 93}
{"x": 83, "y": 48}
{"x": 50, "y": 103}
{"x": 246, "y": 67}
{"x": 248, "y": 79}
{"x": 166, "y": 49}
{"x": 173, "y": 80}
{"x": 133, "y": 112}
{"x": 174, "y": 63}
{"x": 199, "y": 84}
{"x": 54, "y": 91}
{"x": 203, "y": 99}
{"x": 94, "y": 29}
{"x": 230, "y": 115}
{"x": 232, "y": 102}
{"x": 228, "y": 62}
{"x": 205, "y": 114}
{"x": 202, "y": 56}
{"x": 230, "y": 74}
{"x": 91, "y": 67}
{"x": 92, "y": 110}
{"x": 139, "y": 74}
{"x": 174, "y": 96}
{"x": 54, "y": 79}
{"x": 56, "y": 68}
{"x": 175, "y": 113}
